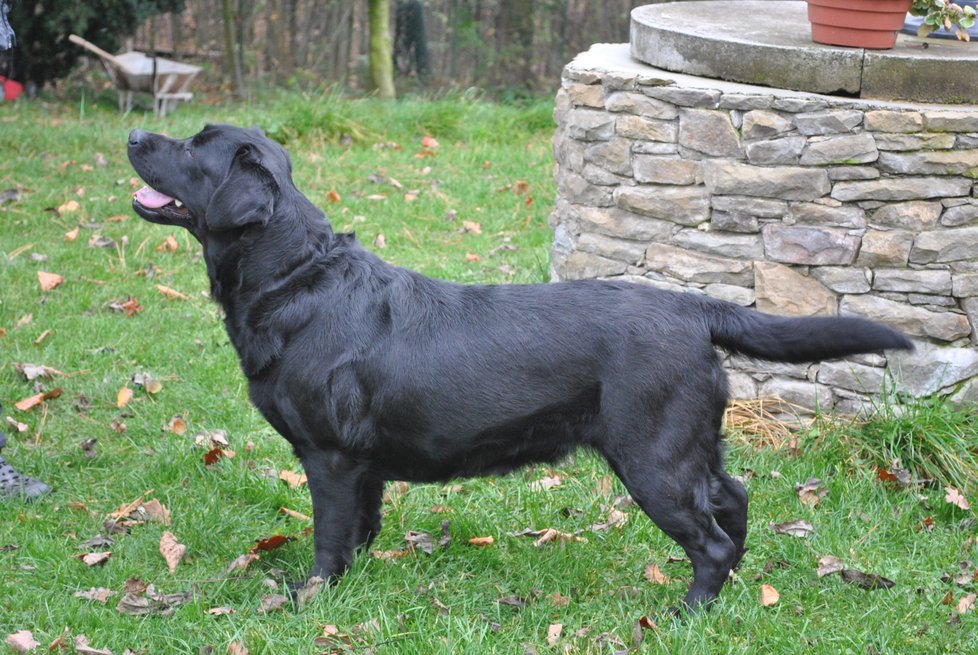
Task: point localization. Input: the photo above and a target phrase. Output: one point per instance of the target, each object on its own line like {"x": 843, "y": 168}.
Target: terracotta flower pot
{"x": 857, "y": 23}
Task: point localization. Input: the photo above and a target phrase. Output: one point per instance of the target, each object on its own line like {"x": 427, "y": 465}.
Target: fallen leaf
{"x": 176, "y": 425}
{"x": 71, "y": 235}
{"x": 95, "y": 559}
{"x": 429, "y": 142}
{"x": 212, "y": 456}
{"x": 125, "y": 510}
{"x": 546, "y": 483}
{"x": 828, "y": 565}
{"x": 896, "y": 474}
{"x": 471, "y": 226}
{"x": 141, "y": 599}
{"x": 97, "y": 594}
{"x": 434, "y": 509}
{"x": 16, "y": 425}
{"x": 130, "y": 307}
{"x": 41, "y": 337}
{"x": 810, "y": 492}
{"x": 395, "y": 490}
{"x": 655, "y": 575}
{"x": 241, "y": 562}
{"x": 966, "y": 604}
{"x": 69, "y": 207}
{"x": 171, "y": 550}
{"x": 513, "y": 601}
{"x": 868, "y": 581}
{"x": 123, "y": 397}
{"x": 60, "y": 642}
{"x": 472, "y": 258}
{"x": 333, "y": 197}
{"x": 169, "y": 245}
{"x": 553, "y": 633}
{"x": 30, "y": 403}
{"x": 82, "y": 647}
{"x": 21, "y": 642}
{"x": 798, "y": 528}
{"x": 212, "y": 439}
{"x": 769, "y": 595}
{"x": 293, "y": 479}
{"x": 272, "y": 603}
{"x": 221, "y": 611}
{"x": 49, "y": 281}
{"x": 294, "y": 514}
{"x": 309, "y": 590}
{"x": 271, "y": 543}
{"x": 420, "y": 540}
{"x": 156, "y": 511}
{"x": 32, "y": 372}
{"x": 481, "y": 541}
{"x": 170, "y": 294}
{"x": 387, "y": 555}
{"x": 954, "y": 497}
{"x": 548, "y": 535}
{"x": 380, "y": 241}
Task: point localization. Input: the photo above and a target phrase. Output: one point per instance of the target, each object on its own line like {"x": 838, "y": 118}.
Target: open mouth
{"x": 155, "y": 202}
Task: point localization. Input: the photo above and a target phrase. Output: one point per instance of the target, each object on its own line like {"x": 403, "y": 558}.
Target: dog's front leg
{"x": 334, "y": 483}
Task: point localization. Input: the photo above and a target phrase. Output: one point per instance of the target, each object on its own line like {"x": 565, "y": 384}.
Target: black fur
{"x": 375, "y": 372}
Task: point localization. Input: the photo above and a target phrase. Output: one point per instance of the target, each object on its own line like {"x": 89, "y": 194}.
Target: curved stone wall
{"x": 792, "y": 203}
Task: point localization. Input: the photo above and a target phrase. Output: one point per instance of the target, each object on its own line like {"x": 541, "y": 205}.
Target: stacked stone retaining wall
{"x": 791, "y": 203}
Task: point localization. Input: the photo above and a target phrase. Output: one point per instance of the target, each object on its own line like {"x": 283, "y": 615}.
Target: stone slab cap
{"x": 768, "y": 42}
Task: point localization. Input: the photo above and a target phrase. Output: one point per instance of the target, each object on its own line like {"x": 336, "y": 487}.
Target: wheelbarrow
{"x": 167, "y": 81}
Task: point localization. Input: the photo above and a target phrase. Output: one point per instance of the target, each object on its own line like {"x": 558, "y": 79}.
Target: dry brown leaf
{"x": 169, "y": 245}
{"x": 395, "y": 490}
{"x": 481, "y": 541}
{"x": 954, "y": 497}
{"x": 828, "y": 565}
{"x": 472, "y": 258}
{"x": 32, "y": 372}
{"x": 241, "y": 562}
{"x": 868, "y": 581}
{"x": 294, "y": 514}
{"x": 21, "y": 642}
{"x": 553, "y": 633}
{"x": 30, "y": 403}
{"x": 380, "y": 241}
{"x": 49, "y": 281}
{"x": 332, "y": 197}
{"x": 71, "y": 235}
{"x": 546, "y": 483}
{"x": 387, "y": 555}
{"x": 170, "y": 294}
{"x": 272, "y": 602}
{"x": 271, "y": 543}
{"x": 176, "y": 425}
{"x": 82, "y": 647}
{"x": 472, "y": 227}
{"x": 550, "y": 534}
{"x": 171, "y": 550}
{"x": 429, "y": 142}
{"x": 966, "y": 603}
{"x": 156, "y": 512}
{"x": 95, "y": 559}
{"x": 237, "y": 648}
{"x": 769, "y": 595}
{"x": 810, "y": 492}
{"x": 123, "y": 397}
{"x": 221, "y": 611}
{"x": 655, "y": 575}
{"x": 97, "y": 594}
{"x": 293, "y": 479}
{"x": 125, "y": 510}
{"x": 440, "y": 509}
{"x": 309, "y": 590}
{"x": 16, "y": 425}
{"x": 800, "y": 528}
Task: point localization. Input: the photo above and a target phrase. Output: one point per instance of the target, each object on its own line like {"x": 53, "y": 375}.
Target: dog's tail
{"x": 806, "y": 339}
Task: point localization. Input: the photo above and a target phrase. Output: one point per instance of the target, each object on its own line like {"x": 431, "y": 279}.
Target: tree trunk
{"x": 231, "y": 67}
{"x": 381, "y": 57}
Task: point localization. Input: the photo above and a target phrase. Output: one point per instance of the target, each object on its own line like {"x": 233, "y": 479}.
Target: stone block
{"x": 812, "y": 213}
{"x": 705, "y": 98}
{"x": 599, "y": 176}
{"x": 741, "y": 386}
{"x": 724, "y": 177}
{"x": 960, "y": 214}
{"x": 885, "y": 120}
{"x": 615, "y": 222}
{"x": 585, "y": 266}
{"x": 853, "y": 173}
{"x": 614, "y": 155}
{"x": 586, "y": 95}
{"x": 912, "y": 281}
{"x": 624, "y": 250}
{"x": 800, "y": 394}
{"x": 730, "y": 222}
{"x": 569, "y": 154}
{"x": 951, "y": 121}
{"x": 914, "y": 321}
{"x": 931, "y": 368}
{"x": 579, "y": 191}
{"x": 731, "y": 293}
{"x": 653, "y": 169}
{"x": 816, "y": 246}
{"x": 836, "y": 121}
{"x": 781, "y": 290}
{"x": 901, "y": 188}
{"x": 589, "y": 125}
{"x": 852, "y": 376}
{"x": 930, "y": 162}
{"x": 722, "y": 244}
{"x": 695, "y": 267}
{"x": 655, "y": 148}
{"x": 709, "y": 133}
{"x": 776, "y": 152}
{"x": 885, "y": 248}
{"x": 964, "y": 285}
{"x": 914, "y": 215}
{"x": 845, "y": 149}
{"x": 648, "y": 129}
{"x": 901, "y": 142}
{"x": 950, "y": 245}
{"x": 764, "y": 125}
{"x": 760, "y": 207}
{"x": 745, "y": 102}
{"x": 686, "y": 205}
{"x": 640, "y": 104}
{"x": 843, "y": 279}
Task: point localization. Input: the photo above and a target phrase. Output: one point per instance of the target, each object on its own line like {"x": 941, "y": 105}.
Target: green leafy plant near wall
{"x": 941, "y": 13}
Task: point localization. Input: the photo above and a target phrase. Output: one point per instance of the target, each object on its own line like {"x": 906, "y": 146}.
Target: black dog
{"x": 377, "y": 373}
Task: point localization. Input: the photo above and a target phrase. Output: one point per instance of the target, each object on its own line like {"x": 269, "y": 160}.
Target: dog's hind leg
{"x": 368, "y": 519}
{"x": 729, "y": 500}
{"x": 335, "y": 483}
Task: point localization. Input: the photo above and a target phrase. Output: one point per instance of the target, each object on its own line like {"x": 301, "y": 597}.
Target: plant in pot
{"x": 874, "y": 23}
{"x": 944, "y": 17}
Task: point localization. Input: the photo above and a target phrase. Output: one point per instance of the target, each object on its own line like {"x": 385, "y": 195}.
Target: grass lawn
{"x": 472, "y": 208}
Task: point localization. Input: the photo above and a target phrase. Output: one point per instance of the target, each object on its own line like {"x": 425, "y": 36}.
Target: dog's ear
{"x": 246, "y": 196}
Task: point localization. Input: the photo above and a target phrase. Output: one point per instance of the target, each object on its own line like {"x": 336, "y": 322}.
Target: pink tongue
{"x": 152, "y": 198}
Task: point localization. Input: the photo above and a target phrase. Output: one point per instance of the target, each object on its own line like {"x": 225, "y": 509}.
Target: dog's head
{"x": 221, "y": 179}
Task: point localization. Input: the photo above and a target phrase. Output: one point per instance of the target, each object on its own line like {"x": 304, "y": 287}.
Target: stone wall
{"x": 792, "y": 203}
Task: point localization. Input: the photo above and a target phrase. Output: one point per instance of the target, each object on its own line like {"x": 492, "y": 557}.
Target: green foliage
{"x": 44, "y": 54}
{"x": 944, "y": 14}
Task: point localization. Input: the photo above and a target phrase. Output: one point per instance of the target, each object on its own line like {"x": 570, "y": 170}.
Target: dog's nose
{"x": 135, "y": 137}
